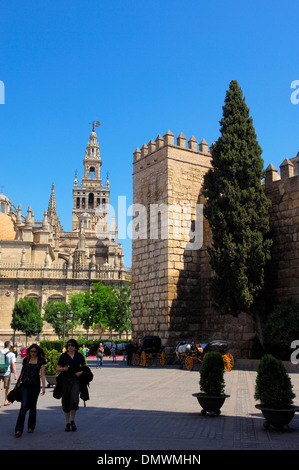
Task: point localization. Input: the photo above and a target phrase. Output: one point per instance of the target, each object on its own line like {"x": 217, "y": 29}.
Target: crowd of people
{"x": 74, "y": 376}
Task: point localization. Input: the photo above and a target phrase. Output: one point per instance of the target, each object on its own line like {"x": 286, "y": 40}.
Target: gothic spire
{"x": 52, "y": 213}
{"x": 52, "y": 202}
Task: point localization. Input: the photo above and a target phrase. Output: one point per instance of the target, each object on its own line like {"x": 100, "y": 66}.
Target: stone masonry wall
{"x": 283, "y": 190}
{"x": 170, "y": 281}
{"x": 165, "y": 274}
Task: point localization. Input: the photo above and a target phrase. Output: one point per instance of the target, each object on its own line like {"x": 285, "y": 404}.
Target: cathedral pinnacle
{"x": 52, "y": 202}
{"x": 52, "y": 213}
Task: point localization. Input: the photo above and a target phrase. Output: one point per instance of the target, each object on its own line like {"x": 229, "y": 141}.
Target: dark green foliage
{"x": 91, "y": 344}
{"x": 51, "y": 308}
{"x": 48, "y": 345}
{"x": 26, "y": 317}
{"x": 237, "y": 210}
{"x": 104, "y": 306}
{"x": 121, "y": 319}
{"x": 273, "y": 386}
{"x": 281, "y": 329}
{"x": 212, "y": 374}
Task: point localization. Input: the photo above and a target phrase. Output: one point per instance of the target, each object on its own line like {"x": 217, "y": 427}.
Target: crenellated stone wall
{"x": 170, "y": 281}
{"x": 165, "y": 275}
{"x": 283, "y": 190}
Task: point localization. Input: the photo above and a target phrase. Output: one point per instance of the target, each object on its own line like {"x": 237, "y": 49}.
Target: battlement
{"x": 288, "y": 177}
{"x": 168, "y": 140}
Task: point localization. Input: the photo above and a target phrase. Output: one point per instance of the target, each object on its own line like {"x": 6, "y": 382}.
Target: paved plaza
{"x": 151, "y": 408}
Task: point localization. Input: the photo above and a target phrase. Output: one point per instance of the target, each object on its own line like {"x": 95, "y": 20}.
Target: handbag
{"x": 57, "y": 393}
{"x": 15, "y": 394}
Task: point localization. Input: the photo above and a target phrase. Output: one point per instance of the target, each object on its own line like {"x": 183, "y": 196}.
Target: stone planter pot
{"x": 279, "y": 418}
{"x": 51, "y": 379}
{"x": 210, "y": 404}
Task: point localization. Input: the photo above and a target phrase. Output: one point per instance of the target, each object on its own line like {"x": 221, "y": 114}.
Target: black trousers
{"x": 28, "y": 403}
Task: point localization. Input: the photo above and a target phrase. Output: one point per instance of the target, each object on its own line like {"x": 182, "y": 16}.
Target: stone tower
{"x": 91, "y": 198}
{"x": 166, "y": 285}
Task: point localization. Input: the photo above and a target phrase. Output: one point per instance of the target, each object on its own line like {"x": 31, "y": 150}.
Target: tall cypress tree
{"x": 237, "y": 210}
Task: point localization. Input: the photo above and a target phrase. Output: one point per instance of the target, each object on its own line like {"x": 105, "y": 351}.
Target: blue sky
{"x": 141, "y": 68}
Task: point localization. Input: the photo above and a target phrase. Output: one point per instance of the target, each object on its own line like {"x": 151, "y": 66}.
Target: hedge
{"x": 92, "y": 345}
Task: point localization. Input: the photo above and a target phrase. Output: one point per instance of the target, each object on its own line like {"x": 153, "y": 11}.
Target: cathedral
{"x": 39, "y": 259}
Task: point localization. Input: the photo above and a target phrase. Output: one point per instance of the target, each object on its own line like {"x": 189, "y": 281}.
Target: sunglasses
{"x": 70, "y": 345}
{"x": 33, "y": 350}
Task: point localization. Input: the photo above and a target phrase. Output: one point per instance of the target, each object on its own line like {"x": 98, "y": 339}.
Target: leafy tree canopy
{"x": 26, "y": 317}
{"x": 55, "y": 312}
{"x": 121, "y": 318}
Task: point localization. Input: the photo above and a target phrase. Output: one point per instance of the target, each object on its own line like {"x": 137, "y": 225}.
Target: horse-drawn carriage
{"x": 150, "y": 349}
{"x": 191, "y": 353}
{"x": 120, "y": 348}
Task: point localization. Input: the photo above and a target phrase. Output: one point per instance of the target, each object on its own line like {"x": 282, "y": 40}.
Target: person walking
{"x": 7, "y": 371}
{"x": 33, "y": 371}
{"x": 23, "y": 351}
{"x": 85, "y": 351}
{"x": 70, "y": 365}
{"x": 15, "y": 350}
{"x": 100, "y": 354}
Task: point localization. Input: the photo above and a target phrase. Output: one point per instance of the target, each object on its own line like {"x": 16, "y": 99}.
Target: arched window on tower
{"x": 78, "y": 203}
{"x": 90, "y": 201}
{"x": 91, "y": 172}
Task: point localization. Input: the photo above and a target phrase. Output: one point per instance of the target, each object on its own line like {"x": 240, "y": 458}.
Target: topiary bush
{"x": 52, "y": 358}
{"x": 273, "y": 386}
{"x": 212, "y": 374}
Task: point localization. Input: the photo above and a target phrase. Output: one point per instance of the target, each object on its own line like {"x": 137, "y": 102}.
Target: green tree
{"x": 237, "y": 210}
{"x": 26, "y": 317}
{"x": 94, "y": 307}
{"x": 103, "y": 307}
{"x": 52, "y": 309}
{"x": 82, "y": 310}
{"x": 121, "y": 318}
{"x": 102, "y": 303}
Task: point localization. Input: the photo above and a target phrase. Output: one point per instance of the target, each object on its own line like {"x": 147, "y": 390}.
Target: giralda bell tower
{"x": 91, "y": 198}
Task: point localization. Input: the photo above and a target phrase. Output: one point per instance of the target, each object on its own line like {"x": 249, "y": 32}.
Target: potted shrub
{"x": 211, "y": 396}
{"x": 51, "y": 364}
{"x": 274, "y": 390}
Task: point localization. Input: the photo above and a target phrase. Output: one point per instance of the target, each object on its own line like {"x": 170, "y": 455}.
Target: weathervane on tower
{"x": 95, "y": 124}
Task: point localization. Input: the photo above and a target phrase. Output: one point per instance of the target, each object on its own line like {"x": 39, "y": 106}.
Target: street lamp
{"x": 66, "y": 317}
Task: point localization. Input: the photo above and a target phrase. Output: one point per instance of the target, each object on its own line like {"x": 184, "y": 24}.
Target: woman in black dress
{"x": 70, "y": 364}
{"x": 32, "y": 371}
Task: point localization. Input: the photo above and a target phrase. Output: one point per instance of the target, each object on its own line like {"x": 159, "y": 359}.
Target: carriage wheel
{"x": 162, "y": 358}
{"x": 143, "y": 358}
{"x": 228, "y": 362}
{"x": 136, "y": 359}
{"x": 189, "y": 363}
